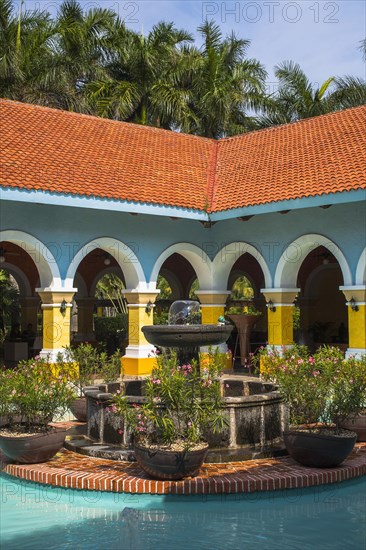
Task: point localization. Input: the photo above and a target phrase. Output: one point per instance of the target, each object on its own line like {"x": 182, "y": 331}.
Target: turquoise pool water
{"x": 320, "y": 518}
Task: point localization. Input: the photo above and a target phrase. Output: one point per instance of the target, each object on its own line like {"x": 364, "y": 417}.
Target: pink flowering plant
{"x": 321, "y": 389}
{"x": 181, "y": 402}
{"x": 33, "y": 395}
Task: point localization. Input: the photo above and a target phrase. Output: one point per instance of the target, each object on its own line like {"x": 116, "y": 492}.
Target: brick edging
{"x": 73, "y": 471}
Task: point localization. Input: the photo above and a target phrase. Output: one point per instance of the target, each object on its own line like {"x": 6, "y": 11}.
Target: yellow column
{"x": 85, "y": 319}
{"x": 139, "y": 359}
{"x": 280, "y": 315}
{"x": 356, "y": 302}
{"x": 56, "y": 307}
{"x": 212, "y": 307}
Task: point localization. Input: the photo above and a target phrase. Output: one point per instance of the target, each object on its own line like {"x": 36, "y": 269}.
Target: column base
{"x": 137, "y": 366}
{"x": 355, "y": 352}
{"x": 51, "y": 354}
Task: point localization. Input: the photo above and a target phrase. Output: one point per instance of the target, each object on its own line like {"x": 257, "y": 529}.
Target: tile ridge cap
{"x": 212, "y": 177}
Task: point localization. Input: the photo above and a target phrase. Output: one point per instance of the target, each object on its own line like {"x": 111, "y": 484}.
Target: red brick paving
{"x": 71, "y": 470}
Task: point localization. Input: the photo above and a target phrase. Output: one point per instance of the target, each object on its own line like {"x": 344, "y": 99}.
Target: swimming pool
{"x": 44, "y": 517}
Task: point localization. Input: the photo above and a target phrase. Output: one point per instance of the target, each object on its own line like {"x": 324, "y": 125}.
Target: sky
{"x": 322, "y": 36}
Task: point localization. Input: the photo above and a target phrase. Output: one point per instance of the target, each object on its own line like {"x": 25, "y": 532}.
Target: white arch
{"x": 49, "y": 273}
{"x": 228, "y": 255}
{"x": 124, "y": 256}
{"x": 197, "y": 257}
{"x": 296, "y": 252}
{"x": 361, "y": 269}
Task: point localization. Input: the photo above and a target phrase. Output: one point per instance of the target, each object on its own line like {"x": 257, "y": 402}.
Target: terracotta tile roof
{"x": 64, "y": 152}
{"x": 68, "y": 153}
{"x": 315, "y": 156}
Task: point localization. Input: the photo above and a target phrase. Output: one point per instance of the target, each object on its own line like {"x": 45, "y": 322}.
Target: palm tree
{"x": 224, "y": 84}
{"x": 79, "y": 44}
{"x": 297, "y": 98}
{"x": 23, "y": 50}
{"x": 141, "y": 85}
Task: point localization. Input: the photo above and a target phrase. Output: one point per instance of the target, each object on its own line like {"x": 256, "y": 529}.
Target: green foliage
{"x": 164, "y": 287}
{"x": 242, "y": 289}
{"x": 161, "y": 318}
{"x": 110, "y": 287}
{"x": 243, "y": 310}
{"x": 322, "y": 388}
{"x": 181, "y": 403}
{"x": 107, "y": 327}
{"x": 9, "y": 296}
{"x": 84, "y": 363}
{"x": 35, "y": 394}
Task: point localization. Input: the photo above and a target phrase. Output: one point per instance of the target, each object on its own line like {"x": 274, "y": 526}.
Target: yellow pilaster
{"x": 56, "y": 307}
{"x": 356, "y": 302}
{"x": 280, "y": 315}
{"x": 139, "y": 359}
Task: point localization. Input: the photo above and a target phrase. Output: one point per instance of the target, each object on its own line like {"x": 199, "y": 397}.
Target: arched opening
{"x": 323, "y": 317}
{"x": 99, "y": 313}
{"x": 177, "y": 280}
{"x": 245, "y": 280}
{"x": 20, "y": 315}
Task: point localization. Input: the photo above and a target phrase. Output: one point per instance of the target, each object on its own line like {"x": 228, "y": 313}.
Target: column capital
{"x": 280, "y": 296}
{"x": 135, "y": 297}
{"x": 213, "y": 297}
{"x": 357, "y": 292}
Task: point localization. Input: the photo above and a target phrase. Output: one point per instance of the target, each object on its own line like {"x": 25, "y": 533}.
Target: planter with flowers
{"x": 31, "y": 397}
{"x": 321, "y": 391}
{"x": 244, "y": 318}
{"x": 181, "y": 404}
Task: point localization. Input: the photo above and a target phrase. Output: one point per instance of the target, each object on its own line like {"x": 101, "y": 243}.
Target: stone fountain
{"x": 254, "y": 410}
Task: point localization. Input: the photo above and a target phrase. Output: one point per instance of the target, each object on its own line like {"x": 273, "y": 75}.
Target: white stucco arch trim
{"x": 295, "y": 253}
{"x": 124, "y": 256}
{"x": 197, "y": 257}
{"x": 228, "y": 255}
{"x": 360, "y": 278}
{"x": 49, "y": 273}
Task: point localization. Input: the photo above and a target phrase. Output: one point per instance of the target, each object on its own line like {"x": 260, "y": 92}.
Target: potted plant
{"x": 83, "y": 364}
{"x": 243, "y": 317}
{"x": 181, "y": 404}
{"x": 31, "y": 397}
{"x": 321, "y": 391}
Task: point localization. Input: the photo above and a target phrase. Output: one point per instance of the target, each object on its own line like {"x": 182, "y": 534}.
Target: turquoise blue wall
{"x": 65, "y": 230}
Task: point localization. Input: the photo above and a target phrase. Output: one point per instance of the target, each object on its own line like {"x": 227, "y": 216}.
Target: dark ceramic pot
{"x": 169, "y": 464}
{"x": 318, "y": 450}
{"x": 32, "y": 449}
{"x": 78, "y": 408}
{"x": 357, "y": 425}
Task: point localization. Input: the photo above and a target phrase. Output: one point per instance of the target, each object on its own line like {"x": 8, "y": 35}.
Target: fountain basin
{"x": 254, "y": 410}
{"x": 189, "y": 336}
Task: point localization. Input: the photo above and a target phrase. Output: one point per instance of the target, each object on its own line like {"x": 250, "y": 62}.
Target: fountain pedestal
{"x": 244, "y": 325}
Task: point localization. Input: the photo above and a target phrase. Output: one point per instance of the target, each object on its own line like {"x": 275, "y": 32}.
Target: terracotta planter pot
{"x": 169, "y": 464}
{"x": 78, "y": 408}
{"x": 318, "y": 450}
{"x": 357, "y": 425}
{"x": 32, "y": 449}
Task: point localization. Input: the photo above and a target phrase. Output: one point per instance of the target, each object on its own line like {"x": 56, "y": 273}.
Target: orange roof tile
{"x": 315, "y": 156}
{"x": 69, "y": 153}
